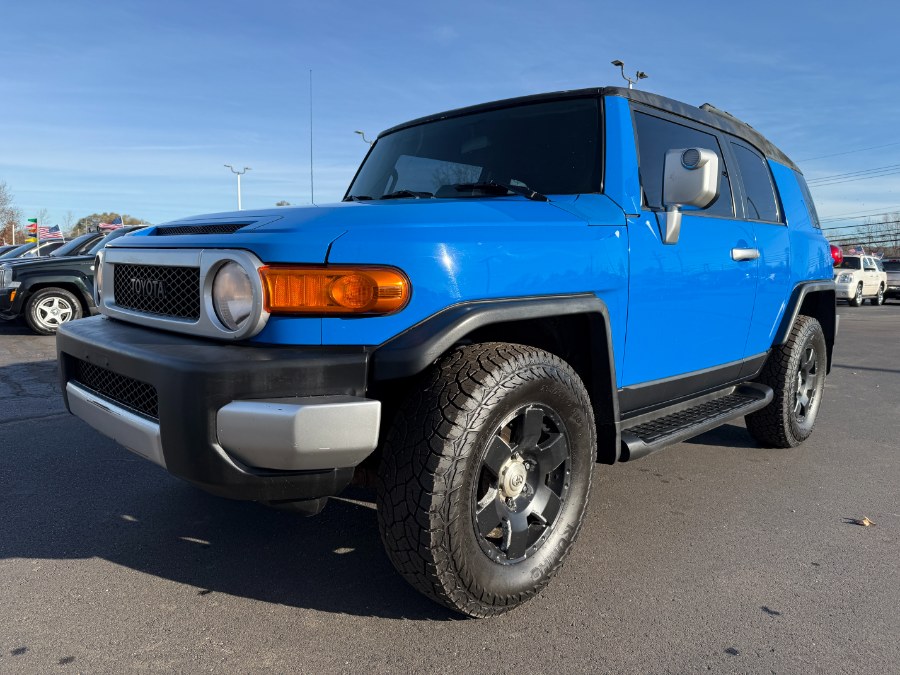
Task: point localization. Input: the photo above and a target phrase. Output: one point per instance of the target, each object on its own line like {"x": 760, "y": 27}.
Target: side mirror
{"x": 690, "y": 178}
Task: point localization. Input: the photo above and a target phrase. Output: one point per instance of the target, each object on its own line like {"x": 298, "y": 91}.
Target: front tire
{"x": 796, "y": 373}
{"x": 49, "y": 308}
{"x": 857, "y": 299}
{"x": 485, "y": 477}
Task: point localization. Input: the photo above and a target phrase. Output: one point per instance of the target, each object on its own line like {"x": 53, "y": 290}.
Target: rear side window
{"x": 807, "y": 198}
{"x": 655, "y": 137}
{"x": 759, "y": 191}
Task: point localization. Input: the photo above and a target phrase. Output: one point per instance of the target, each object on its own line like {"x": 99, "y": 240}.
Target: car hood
{"x": 46, "y": 262}
{"x": 304, "y": 234}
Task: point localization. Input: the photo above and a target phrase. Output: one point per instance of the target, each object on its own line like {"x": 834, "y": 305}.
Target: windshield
{"x": 71, "y": 248}
{"x": 115, "y": 234}
{"x": 850, "y": 263}
{"x": 549, "y": 148}
{"x": 17, "y": 251}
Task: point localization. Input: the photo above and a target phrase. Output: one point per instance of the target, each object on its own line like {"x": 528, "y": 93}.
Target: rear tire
{"x": 796, "y": 373}
{"x": 878, "y": 300}
{"x": 485, "y": 477}
{"x": 49, "y": 308}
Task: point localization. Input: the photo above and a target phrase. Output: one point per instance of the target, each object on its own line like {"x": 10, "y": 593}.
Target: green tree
{"x": 91, "y": 222}
{"x": 10, "y": 217}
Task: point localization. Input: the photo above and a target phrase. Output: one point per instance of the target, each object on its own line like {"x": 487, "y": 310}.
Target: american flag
{"x": 49, "y": 232}
{"x": 114, "y": 224}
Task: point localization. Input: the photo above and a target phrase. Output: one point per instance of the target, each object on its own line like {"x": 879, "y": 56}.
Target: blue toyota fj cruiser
{"x": 508, "y": 294}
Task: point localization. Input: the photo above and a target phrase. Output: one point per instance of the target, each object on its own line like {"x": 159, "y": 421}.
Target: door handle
{"x": 744, "y": 253}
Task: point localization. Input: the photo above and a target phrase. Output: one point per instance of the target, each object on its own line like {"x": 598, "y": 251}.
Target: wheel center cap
{"x": 513, "y": 478}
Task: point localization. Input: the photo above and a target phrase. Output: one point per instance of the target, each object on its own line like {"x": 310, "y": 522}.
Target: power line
{"x": 865, "y": 242}
{"x": 853, "y": 215}
{"x": 887, "y": 222}
{"x": 850, "y": 174}
{"x": 849, "y": 152}
{"x": 845, "y": 227}
{"x": 858, "y": 237}
{"x": 851, "y": 179}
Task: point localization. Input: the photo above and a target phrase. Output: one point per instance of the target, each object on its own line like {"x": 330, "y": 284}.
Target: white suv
{"x": 859, "y": 277}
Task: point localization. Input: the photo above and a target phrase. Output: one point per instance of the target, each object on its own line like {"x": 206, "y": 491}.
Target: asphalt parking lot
{"x": 711, "y": 555}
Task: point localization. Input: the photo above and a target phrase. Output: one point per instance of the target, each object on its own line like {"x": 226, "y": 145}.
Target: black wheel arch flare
{"x": 414, "y": 350}
{"x": 816, "y": 299}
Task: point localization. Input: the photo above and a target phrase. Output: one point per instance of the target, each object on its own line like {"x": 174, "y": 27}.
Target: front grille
{"x": 158, "y": 289}
{"x": 133, "y": 394}
{"x": 212, "y": 228}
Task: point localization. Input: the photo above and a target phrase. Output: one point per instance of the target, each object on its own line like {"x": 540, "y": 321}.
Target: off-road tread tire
{"x": 34, "y": 324}
{"x": 424, "y": 461}
{"x": 773, "y": 425}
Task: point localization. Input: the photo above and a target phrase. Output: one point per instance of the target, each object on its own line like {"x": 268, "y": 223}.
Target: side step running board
{"x": 654, "y": 431}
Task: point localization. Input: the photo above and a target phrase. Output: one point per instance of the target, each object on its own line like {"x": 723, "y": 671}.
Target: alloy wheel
{"x": 522, "y": 484}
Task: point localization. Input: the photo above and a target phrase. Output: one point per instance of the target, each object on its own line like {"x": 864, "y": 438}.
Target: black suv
{"x": 52, "y": 290}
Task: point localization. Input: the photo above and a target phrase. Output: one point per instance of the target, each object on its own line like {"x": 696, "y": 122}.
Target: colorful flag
{"x": 46, "y": 232}
{"x": 115, "y": 224}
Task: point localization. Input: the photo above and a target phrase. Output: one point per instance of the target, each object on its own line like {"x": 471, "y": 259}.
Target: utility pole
{"x": 238, "y": 174}
{"x": 639, "y": 75}
{"x": 312, "y": 191}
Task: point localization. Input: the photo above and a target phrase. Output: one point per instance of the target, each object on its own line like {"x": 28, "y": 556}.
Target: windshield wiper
{"x": 494, "y": 187}
{"x": 401, "y": 194}
{"x": 357, "y": 198}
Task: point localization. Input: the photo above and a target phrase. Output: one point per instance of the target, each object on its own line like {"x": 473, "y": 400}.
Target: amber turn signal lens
{"x": 294, "y": 289}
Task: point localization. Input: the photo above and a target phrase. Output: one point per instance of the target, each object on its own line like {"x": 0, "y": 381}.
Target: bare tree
{"x": 68, "y": 219}
{"x": 10, "y": 216}
{"x": 882, "y": 234}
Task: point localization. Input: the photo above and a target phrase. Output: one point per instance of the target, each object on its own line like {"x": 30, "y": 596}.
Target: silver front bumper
{"x": 136, "y": 433}
{"x": 288, "y": 434}
{"x": 300, "y": 434}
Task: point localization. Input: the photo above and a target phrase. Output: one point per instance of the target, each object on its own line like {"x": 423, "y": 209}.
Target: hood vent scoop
{"x": 211, "y": 228}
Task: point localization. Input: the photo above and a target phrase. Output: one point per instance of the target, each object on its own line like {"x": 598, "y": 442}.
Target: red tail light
{"x": 837, "y": 255}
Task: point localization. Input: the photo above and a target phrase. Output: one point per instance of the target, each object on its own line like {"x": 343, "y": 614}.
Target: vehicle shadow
{"x": 727, "y": 435}
{"x": 66, "y": 492}
{"x": 14, "y": 327}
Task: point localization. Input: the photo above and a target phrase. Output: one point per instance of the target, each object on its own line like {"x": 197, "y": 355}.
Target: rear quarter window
{"x": 759, "y": 189}
{"x": 808, "y": 200}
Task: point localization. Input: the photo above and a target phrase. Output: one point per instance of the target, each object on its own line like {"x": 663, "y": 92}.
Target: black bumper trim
{"x": 195, "y": 377}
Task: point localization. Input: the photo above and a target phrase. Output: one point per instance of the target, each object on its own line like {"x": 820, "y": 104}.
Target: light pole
{"x": 238, "y": 174}
{"x": 363, "y": 134}
{"x": 639, "y": 75}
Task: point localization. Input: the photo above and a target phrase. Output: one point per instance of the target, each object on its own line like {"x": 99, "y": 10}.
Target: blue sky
{"x": 136, "y": 106}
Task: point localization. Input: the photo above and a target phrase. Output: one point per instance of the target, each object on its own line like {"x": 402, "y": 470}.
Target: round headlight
{"x": 232, "y": 295}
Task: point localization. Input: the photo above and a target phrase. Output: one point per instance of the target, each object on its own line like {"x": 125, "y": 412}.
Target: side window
{"x": 807, "y": 197}
{"x": 759, "y": 191}
{"x": 655, "y": 137}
